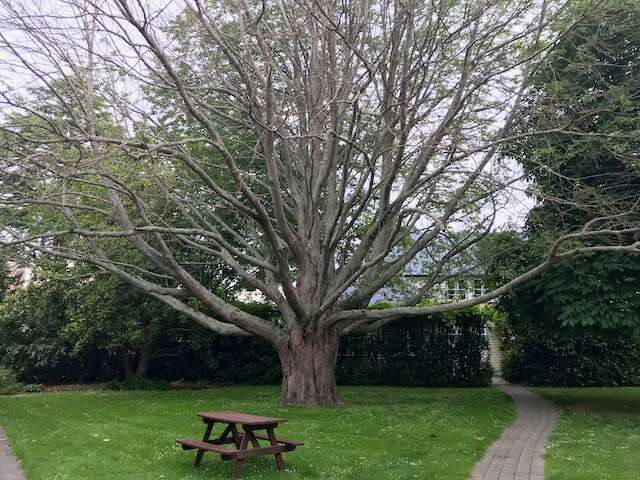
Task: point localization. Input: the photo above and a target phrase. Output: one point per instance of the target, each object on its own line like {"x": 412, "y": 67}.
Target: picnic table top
{"x": 242, "y": 418}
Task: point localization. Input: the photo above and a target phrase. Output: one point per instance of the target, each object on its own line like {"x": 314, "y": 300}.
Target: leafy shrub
{"x": 136, "y": 384}
{"x": 575, "y": 325}
{"x": 9, "y": 384}
{"x": 33, "y": 388}
{"x": 182, "y": 385}
{"x": 573, "y": 359}
{"x": 33, "y": 323}
{"x": 248, "y": 360}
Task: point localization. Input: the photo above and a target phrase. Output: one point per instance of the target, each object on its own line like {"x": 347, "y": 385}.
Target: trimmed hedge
{"x": 573, "y": 359}
{"x": 441, "y": 350}
{"x": 218, "y": 359}
{"x": 437, "y": 351}
{"x": 206, "y": 356}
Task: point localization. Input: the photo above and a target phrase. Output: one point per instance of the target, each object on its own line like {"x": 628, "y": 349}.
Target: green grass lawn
{"x": 382, "y": 433}
{"x": 598, "y": 435}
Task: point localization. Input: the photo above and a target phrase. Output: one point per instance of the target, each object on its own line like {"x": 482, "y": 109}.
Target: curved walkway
{"x": 519, "y": 453}
{"x": 9, "y": 466}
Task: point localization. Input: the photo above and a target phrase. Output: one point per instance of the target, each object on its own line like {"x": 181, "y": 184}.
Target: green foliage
{"x": 573, "y": 359}
{"x": 228, "y": 360}
{"x": 62, "y": 332}
{"x": 590, "y": 81}
{"x": 593, "y": 291}
{"x": 4, "y": 279}
{"x": 57, "y": 331}
{"x": 443, "y": 350}
{"x": 575, "y": 324}
{"x": 440, "y": 350}
{"x": 593, "y": 76}
{"x": 72, "y": 325}
{"x": 503, "y": 256}
{"x": 267, "y": 311}
{"x": 9, "y": 384}
{"x": 34, "y": 388}
{"x": 104, "y": 315}
{"x": 31, "y": 321}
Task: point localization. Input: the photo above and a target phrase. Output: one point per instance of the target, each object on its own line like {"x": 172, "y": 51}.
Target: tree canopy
{"x": 312, "y": 148}
{"x": 593, "y": 76}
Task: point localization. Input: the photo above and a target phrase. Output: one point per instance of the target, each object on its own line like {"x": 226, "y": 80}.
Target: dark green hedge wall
{"x": 573, "y": 358}
{"x": 441, "y": 350}
{"x": 438, "y": 351}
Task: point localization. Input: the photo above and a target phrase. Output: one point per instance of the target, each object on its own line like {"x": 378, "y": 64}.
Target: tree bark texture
{"x": 309, "y": 368}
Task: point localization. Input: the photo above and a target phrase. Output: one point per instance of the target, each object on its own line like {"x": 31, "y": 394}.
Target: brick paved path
{"x": 9, "y": 466}
{"x": 519, "y": 453}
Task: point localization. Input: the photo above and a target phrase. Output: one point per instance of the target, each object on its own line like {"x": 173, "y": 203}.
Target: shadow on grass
{"x": 602, "y": 401}
{"x": 607, "y": 406}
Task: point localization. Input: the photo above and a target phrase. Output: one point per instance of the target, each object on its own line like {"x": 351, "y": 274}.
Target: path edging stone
{"x": 9, "y": 466}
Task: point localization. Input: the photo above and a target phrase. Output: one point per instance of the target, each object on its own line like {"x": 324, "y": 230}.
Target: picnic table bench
{"x": 241, "y": 430}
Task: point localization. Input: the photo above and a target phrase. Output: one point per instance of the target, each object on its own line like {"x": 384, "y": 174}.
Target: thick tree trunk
{"x": 126, "y": 365}
{"x": 145, "y": 357}
{"x": 137, "y": 371}
{"x": 141, "y": 369}
{"x": 309, "y": 369}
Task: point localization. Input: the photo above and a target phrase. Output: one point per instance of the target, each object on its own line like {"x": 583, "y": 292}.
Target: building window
{"x": 478, "y": 287}
{"x": 462, "y": 290}
{"x": 452, "y": 290}
{"x": 456, "y": 290}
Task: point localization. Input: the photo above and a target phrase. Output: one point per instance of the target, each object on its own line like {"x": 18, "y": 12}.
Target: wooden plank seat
{"x": 209, "y": 446}
{"x": 216, "y": 441}
{"x": 293, "y": 443}
{"x": 216, "y": 445}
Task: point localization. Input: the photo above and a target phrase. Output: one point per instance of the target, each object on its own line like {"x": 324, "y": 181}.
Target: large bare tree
{"x": 314, "y": 147}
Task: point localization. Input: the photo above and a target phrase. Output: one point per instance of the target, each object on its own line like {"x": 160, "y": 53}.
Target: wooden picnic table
{"x": 241, "y": 430}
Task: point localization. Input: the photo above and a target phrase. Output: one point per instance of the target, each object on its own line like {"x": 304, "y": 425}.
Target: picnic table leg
{"x": 274, "y": 443}
{"x": 236, "y": 435}
{"x": 225, "y": 434}
{"x": 252, "y": 437}
{"x": 237, "y": 470}
{"x": 237, "y": 464}
{"x": 205, "y": 438}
